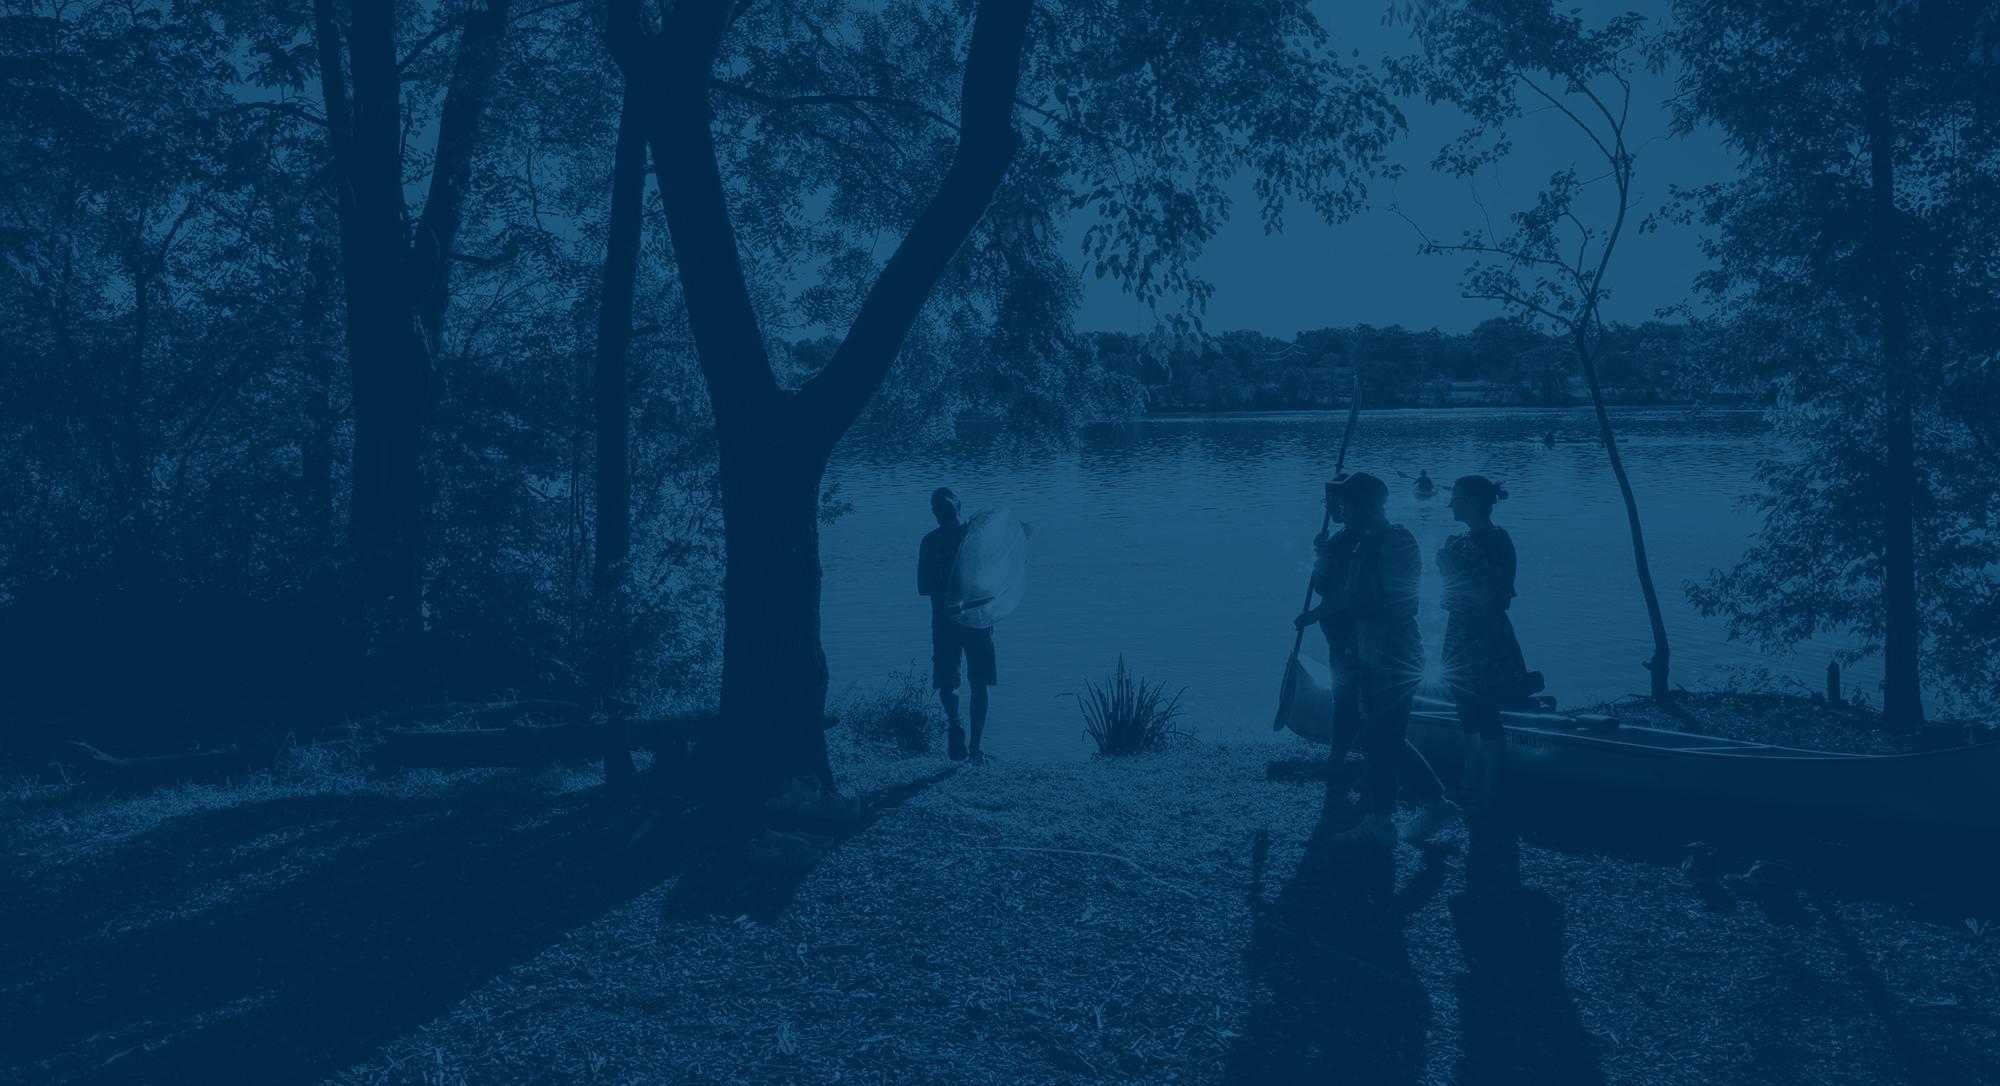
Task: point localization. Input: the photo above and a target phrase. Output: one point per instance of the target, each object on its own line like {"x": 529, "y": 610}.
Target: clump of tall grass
{"x": 1129, "y": 715}
{"x": 901, "y": 716}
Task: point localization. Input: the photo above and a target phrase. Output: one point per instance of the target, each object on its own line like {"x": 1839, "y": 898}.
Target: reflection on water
{"x": 1185, "y": 543}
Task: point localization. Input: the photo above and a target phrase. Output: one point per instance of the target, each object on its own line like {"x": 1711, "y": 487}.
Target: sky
{"x": 1368, "y": 269}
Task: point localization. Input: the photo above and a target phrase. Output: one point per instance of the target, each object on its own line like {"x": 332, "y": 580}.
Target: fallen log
{"x": 152, "y": 771}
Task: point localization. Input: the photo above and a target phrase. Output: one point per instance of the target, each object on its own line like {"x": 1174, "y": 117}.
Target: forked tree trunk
{"x": 774, "y": 442}
{"x": 1902, "y": 629}
{"x": 397, "y": 288}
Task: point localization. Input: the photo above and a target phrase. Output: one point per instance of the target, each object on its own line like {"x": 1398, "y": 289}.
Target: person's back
{"x": 1380, "y": 595}
{"x": 935, "y": 557}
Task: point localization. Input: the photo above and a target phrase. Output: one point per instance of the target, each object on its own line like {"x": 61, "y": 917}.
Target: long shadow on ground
{"x": 1517, "y": 1020}
{"x": 279, "y": 964}
{"x": 724, "y": 882}
{"x": 280, "y": 941}
{"x": 1345, "y": 1004}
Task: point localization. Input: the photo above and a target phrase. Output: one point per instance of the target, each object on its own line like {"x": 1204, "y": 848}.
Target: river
{"x": 1184, "y": 544}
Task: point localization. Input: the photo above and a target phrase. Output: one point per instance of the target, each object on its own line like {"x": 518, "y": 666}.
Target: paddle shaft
{"x": 1326, "y": 522}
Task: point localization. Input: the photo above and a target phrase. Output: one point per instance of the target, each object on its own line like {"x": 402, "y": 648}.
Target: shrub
{"x": 899, "y": 716}
{"x": 1129, "y": 715}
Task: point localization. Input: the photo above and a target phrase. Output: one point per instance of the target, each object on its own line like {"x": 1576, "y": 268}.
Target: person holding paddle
{"x": 1366, "y": 576}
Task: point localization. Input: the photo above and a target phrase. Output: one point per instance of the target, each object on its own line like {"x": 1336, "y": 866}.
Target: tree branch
{"x": 729, "y": 343}
{"x": 451, "y": 172}
{"x": 835, "y": 396}
{"x": 750, "y": 94}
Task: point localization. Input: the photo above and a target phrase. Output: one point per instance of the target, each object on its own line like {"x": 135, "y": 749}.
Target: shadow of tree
{"x": 200, "y": 952}
{"x": 1517, "y": 1020}
{"x": 721, "y": 880}
{"x": 1345, "y": 1004}
{"x": 296, "y": 974}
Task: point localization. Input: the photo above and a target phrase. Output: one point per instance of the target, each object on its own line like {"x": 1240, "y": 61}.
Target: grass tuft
{"x": 899, "y": 716}
{"x": 1129, "y": 715}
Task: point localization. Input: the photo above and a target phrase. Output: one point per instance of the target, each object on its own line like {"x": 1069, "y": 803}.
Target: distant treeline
{"x": 1499, "y": 363}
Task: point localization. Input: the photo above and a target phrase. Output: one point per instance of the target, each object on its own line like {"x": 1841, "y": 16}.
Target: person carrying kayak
{"x": 1483, "y": 666}
{"x": 1366, "y": 575}
{"x": 935, "y": 557}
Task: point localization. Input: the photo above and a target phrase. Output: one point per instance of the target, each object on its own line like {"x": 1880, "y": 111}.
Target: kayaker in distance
{"x": 1366, "y": 575}
{"x": 949, "y": 640}
{"x": 1483, "y": 667}
{"x": 1424, "y": 484}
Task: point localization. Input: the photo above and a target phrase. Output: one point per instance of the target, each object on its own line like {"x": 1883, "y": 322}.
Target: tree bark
{"x": 611, "y": 395}
{"x": 1662, "y": 654}
{"x": 316, "y": 446}
{"x": 774, "y": 674}
{"x": 1902, "y": 629}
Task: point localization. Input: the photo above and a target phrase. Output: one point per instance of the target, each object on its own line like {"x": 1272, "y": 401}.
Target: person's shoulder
{"x": 1399, "y": 539}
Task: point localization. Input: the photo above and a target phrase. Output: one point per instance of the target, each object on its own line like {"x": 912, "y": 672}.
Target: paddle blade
{"x": 1306, "y": 700}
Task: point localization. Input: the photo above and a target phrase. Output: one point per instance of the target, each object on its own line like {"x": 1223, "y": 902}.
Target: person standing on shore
{"x": 1366, "y": 575}
{"x": 936, "y": 556}
{"x": 1483, "y": 666}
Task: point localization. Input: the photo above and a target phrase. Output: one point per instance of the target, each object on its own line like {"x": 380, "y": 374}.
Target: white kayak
{"x": 1954, "y": 790}
{"x": 989, "y": 577}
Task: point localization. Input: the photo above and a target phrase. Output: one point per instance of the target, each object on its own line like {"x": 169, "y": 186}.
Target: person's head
{"x": 944, "y": 506}
{"x": 1472, "y": 498}
{"x": 1356, "y": 498}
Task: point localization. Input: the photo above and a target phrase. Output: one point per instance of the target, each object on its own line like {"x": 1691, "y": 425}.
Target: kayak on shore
{"x": 1664, "y": 772}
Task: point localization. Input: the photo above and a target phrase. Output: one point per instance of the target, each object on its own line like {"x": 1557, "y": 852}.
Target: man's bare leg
{"x": 956, "y": 734}
{"x": 978, "y": 716}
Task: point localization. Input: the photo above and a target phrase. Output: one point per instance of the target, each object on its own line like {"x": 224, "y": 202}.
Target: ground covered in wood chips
{"x": 1182, "y": 918}
{"x": 1177, "y": 917}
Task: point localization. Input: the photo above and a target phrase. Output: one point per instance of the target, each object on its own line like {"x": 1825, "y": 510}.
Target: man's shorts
{"x": 948, "y": 641}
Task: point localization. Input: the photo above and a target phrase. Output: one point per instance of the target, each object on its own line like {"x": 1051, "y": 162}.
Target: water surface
{"x": 1184, "y": 543}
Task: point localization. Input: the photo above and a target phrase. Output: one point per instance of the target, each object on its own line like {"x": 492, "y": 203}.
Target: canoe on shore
{"x": 1956, "y": 789}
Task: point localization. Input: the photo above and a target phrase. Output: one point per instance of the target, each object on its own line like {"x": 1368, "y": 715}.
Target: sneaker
{"x": 957, "y": 743}
{"x": 1374, "y": 830}
{"x": 793, "y": 794}
{"x": 1430, "y": 820}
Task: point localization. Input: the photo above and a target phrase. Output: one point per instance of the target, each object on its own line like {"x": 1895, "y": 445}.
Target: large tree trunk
{"x": 1902, "y": 630}
{"x": 774, "y": 673}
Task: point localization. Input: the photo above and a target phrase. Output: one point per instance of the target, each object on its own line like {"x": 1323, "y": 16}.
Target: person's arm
{"x": 1503, "y": 588}
{"x": 1322, "y": 583}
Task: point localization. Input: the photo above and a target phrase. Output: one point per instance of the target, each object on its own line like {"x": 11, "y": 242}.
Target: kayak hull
{"x": 1952, "y": 790}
